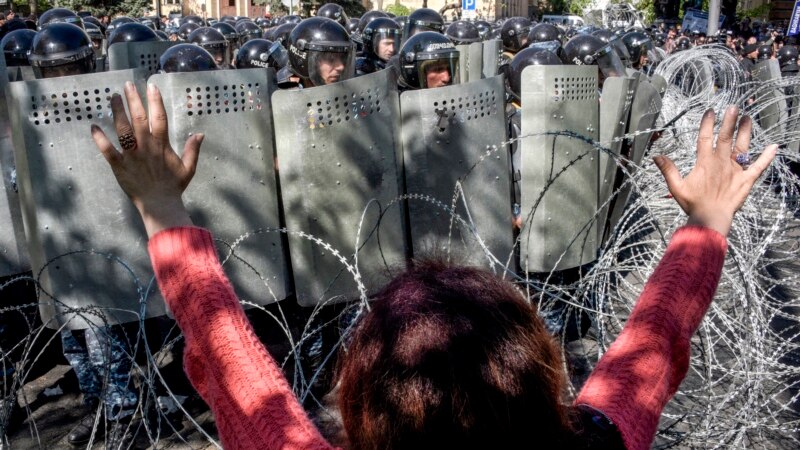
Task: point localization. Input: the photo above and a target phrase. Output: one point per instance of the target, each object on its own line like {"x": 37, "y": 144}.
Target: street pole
{"x": 713, "y": 17}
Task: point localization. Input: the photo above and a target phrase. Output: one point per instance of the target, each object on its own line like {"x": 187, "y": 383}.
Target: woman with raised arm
{"x": 447, "y": 357}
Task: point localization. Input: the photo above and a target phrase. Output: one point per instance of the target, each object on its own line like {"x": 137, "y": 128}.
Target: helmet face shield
{"x": 550, "y": 46}
{"x": 221, "y": 51}
{"x": 81, "y": 67}
{"x": 439, "y": 71}
{"x": 331, "y": 65}
{"x": 386, "y": 43}
{"x": 278, "y": 54}
{"x": 609, "y": 62}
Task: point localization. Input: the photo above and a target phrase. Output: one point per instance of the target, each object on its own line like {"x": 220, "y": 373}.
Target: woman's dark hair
{"x": 452, "y": 357}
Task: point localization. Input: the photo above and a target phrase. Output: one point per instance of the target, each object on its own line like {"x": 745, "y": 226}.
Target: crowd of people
{"x": 447, "y": 356}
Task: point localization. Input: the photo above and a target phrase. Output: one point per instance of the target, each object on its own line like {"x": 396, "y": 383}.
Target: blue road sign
{"x": 468, "y": 5}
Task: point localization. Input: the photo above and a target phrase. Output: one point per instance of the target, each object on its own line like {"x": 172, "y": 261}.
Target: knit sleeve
{"x": 252, "y": 403}
{"x": 643, "y": 368}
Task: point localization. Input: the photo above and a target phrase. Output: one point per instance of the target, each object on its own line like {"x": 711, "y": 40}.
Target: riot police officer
{"x": 96, "y": 35}
{"x": 132, "y": 32}
{"x": 215, "y": 43}
{"x": 638, "y": 46}
{"x": 462, "y": 32}
{"x": 334, "y": 12}
{"x": 421, "y": 20}
{"x": 186, "y": 29}
{"x": 248, "y": 30}
{"x": 787, "y": 57}
{"x": 585, "y": 49}
{"x": 544, "y": 32}
{"x": 381, "y": 38}
{"x": 59, "y": 15}
{"x": 261, "y": 53}
{"x": 229, "y": 32}
{"x": 320, "y": 52}
{"x": 16, "y": 45}
{"x": 765, "y": 52}
{"x": 427, "y": 60}
{"x": 514, "y": 34}
{"x": 186, "y": 58}
{"x": 102, "y": 364}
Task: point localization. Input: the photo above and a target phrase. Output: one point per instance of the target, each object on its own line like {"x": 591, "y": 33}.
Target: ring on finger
{"x": 127, "y": 141}
{"x": 743, "y": 159}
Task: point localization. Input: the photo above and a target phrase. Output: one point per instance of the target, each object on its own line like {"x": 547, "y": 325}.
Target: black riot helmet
{"x": 16, "y": 45}
{"x": 186, "y": 58}
{"x": 248, "y": 30}
{"x": 59, "y": 15}
{"x": 293, "y": 19}
{"x": 764, "y": 52}
{"x": 229, "y": 32}
{"x": 401, "y": 21}
{"x": 132, "y": 32}
{"x": 514, "y": 33}
{"x": 334, "y": 12}
{"x": 117, "y": 22}
{"x": 585, "y": 49}
{"x": 148, "y": 22}
{"x": 320, "y": 52}
{"x": 96, "y": 21}
{"x": 352, "y": 25}
{"x": 544, "y": 32}
{"x": 622, "y": 51}
{"x": 484, "y": 29}
{"x": 368, "y": 17}
{"x": 197, "y": 20}
{"x": 263, "y": 22}
{"x": 95, "y": 34}
{"x": 684, "y": 43}
{"x": 261, "y": 53}
{"x": 280, "y": 34}
{"x": 787, "y": 55}
{"x": 214, "y": 42}
{"x": 186, "y": 29}
{"x": 524, "y": 58}
{"x": 638, "y": 44}
{"x": 604, "y": 35}
{"x": 423, "y": 54}
{"x": 423, "y": 19}
{"x": 61, "y": 49}
{"x": 378, "y": 36}
{"x": 463, "y": 32}
{"x": 17, "y": 24}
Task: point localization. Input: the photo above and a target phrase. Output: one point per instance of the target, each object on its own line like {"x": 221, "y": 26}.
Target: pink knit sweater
{"x": 255, "y": 408}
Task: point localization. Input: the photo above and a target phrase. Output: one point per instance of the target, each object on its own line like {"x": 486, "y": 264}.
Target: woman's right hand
{"x": 717, "y": 186}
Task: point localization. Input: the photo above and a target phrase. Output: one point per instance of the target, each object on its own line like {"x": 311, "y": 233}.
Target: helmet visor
{"x": 330, "y": 66}
{"x": 221, "y": 52}
{"x": 550, "y": 46}
{"x": 386, "y": 43}
{"x": 609, "y": 63}
{"x": 277, "y": 56}
{"x": 442, "y": 71}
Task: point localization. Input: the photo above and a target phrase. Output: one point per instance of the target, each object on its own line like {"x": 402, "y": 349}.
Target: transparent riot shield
{"x": 615, "y": 109}
{"x": 21, "y": 73}
{"x": 340, "y": 178}
{"x": 137, "y": 55}
{"x": 491, "y": 57}
{"x": 769, "y": 108}
{"x": 13, "y": 246}
{"x": 234, "y": 192}
{"x": 87, "y": 244}
{"x": 475, "y": 68}
{"x": 455, "y": 161}
{"x": 463, "y": 63}
{"x": 560, "y": 117}
{"x": 645, "y": 109}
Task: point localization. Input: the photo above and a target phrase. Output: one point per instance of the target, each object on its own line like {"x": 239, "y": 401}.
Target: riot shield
{"x": 86, "y": 241}
{"x": 453, "y": 155}
{"x": 137, "y": 55}
{"x": 340, "y": 176}
{"x": 615, "y": 108}
{"x": 559, "y": 172}
{"x": 100, "y": 64}
{"x": 491, "y": 57}
{"x": 659, "y": 83}
{"x": 463, "y": 63}
{"x": 475, "y": 68}
{"x": 20, "y": 73}
{"x": 13, "y": 246}
{"x": 234, "y": 192}
{"x": 645, "y": 109}
{"x": 770, "y": 103}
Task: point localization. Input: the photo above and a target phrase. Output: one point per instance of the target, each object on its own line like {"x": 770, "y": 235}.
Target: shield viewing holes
{"x": 343, "y": 108}
{"x": 464, "y": 108}
{"x": 222, "y": 99}
{"x": 574, "y": 88}
{"x": 149, "y": 61}
{"x": 55, "y": 108}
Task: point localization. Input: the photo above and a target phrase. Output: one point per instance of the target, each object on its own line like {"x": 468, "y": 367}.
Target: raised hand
{"x": 147, "y": 168}
{"x": 718, "y": 185}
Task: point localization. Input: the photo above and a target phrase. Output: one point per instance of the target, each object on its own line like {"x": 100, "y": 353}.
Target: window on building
{"x": 232, "y": 3}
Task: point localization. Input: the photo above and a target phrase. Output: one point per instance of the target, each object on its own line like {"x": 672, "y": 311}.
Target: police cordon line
{"x": 336, "y": 149}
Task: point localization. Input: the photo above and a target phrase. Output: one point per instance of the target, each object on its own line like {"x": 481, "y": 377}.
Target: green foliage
{"x": 275, "y": 6}
{"x": 552, "y": 6}
{"x": 576, "y": 7}
{"x": 398, "y": 10}
{"x": 648, "y": 10}
{"x": 759, "y": 12}
{"x": 131, "y": 8}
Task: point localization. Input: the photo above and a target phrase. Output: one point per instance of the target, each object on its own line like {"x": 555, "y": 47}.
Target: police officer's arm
{"x": 151, "y": 173}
